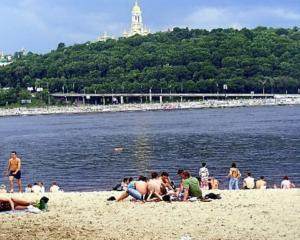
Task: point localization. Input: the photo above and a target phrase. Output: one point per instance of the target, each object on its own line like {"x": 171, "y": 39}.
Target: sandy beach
{"x": 253, "y": 214}
{"x": 24, "y": 111}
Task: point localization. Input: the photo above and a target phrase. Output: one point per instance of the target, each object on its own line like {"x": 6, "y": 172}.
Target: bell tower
{"x": 137, "y": 26}
{"x": 136, "y": 21}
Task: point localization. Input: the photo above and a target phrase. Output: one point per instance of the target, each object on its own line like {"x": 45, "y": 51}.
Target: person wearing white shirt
{"x": 54, "y": 188}
{"x": 286, "y": 183}
{"x": 204, "y": 174}
{"x": 36, "y": 188}
{"x": 248, "y": 182}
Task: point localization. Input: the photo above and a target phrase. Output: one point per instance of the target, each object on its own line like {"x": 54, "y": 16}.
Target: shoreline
{"x": 54, "y": 110}
{"x": 244, "y": 214}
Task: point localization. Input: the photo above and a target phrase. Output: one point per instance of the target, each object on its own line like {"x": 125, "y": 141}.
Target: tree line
{"x": 182, "y": 60}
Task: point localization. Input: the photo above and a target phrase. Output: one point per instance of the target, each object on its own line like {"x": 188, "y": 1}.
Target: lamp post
{"x": 150, "y": 94}
{"x": 48, "y": 93}
{"x": 170, "y": 91}
{"x": 225, "y": 88}
{"x": 263, "y": 82}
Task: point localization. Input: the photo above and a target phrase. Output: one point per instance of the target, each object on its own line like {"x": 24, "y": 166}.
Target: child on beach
{"x": 28, "y": 189}
{"x": 204, "y": 174}
{"x": 3, "y": 189}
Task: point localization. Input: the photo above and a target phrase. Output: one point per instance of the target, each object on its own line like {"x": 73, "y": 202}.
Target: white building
{"x": 104, "y": 37}
{"x": 137, "y": 26}
{"x": 5, "y": 59}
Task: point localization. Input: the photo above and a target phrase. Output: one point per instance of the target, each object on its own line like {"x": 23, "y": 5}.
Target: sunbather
{"x": 136, "y": 189}
{"x": 11, "y": 204}
{"x": 154, "y": 187}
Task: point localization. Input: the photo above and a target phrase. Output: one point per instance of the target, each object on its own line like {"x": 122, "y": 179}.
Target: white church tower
{"x": 137, "y": 26}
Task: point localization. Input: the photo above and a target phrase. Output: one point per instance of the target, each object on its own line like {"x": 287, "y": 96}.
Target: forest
{"x": 178, "y": 61}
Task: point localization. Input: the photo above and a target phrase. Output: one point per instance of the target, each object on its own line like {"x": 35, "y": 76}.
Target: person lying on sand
{"x": 11, "y": 204}
{"x": 123, "y": 185}
{"x": 136, "y": 189}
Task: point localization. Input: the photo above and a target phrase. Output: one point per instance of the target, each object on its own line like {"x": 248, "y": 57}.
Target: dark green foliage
{"x": 182, "y": 60}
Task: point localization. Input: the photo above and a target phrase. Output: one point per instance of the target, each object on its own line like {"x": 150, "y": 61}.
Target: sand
{"x": 253, "y": 214}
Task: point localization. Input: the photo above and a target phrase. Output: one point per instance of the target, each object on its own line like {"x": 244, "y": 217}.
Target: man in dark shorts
{"x": 14, "y": 171}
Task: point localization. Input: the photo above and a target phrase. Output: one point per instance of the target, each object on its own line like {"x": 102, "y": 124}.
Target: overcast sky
{"x": 39, "y": 25}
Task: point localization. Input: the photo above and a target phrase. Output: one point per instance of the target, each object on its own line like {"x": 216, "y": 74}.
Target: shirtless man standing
{"x": 14, "y": 171}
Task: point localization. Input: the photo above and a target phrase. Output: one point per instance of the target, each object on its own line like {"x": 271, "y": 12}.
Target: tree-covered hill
{"x": 182, "y": 60}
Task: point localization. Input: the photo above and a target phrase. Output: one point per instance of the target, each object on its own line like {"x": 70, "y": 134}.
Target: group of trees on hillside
{"x": 182, "y": 60}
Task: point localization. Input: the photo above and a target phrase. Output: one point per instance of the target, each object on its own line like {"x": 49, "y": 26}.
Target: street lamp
{"x": 225, "y": 88}
{"x": 263, "y": 82}
{"x": 48, "y": 93}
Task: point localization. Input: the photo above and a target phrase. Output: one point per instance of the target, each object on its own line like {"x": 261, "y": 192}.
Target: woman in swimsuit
{"x": 11, "y": 204}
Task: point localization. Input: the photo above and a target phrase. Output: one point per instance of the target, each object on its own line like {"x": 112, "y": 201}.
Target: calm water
{"x": 78, "y": 150}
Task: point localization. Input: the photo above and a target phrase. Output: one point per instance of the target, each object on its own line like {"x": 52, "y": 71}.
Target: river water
{"x": 79, "y": 151}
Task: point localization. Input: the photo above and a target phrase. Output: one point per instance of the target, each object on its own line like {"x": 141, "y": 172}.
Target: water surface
{"x": 78, "y": 150}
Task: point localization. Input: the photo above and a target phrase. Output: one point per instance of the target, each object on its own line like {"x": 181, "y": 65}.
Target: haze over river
{"x": 79, "y": 151}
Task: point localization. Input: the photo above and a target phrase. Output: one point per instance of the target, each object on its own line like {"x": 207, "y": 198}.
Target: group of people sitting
{"x": 37, "y": 187}
{"x": 161, "y": 188}
{"x": 249, "y": 182}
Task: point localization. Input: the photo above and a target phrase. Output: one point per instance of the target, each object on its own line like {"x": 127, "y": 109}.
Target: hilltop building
{"x": 20, "y": 54}
{"x": 5, "y": 59}
{"x": 137, "y": 26}
{"x": 104, "y": 37}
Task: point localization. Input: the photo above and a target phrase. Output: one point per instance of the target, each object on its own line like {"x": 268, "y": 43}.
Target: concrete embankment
{"x": 25, "y": 111}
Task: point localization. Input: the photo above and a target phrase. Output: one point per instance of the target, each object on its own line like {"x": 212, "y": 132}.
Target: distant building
{"x": 104, "y": 37}
{"x": 5, "y": 59}
{"x": 137, "y": 26}
{"x": 20, "y": 53}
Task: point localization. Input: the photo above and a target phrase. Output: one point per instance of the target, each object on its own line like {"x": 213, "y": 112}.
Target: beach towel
{"x": 30, "y": 209}
{"x": 13, "y": 212}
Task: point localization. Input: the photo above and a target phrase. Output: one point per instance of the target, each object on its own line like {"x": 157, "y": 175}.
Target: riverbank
{"x": 24, "y": 111}
{"x": 253, "y": 214}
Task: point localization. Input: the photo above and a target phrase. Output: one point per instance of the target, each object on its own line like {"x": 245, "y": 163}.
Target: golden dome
{"x": 136, "y": 8}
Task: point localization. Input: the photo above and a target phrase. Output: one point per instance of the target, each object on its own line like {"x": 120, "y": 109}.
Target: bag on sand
{"x": 212, "y": 196}
{"x": 43, "y": 205}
